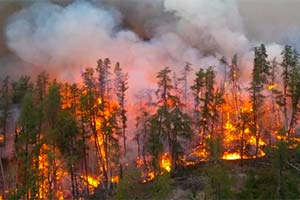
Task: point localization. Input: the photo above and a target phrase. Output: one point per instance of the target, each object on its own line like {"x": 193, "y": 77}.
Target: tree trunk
{"x": 285, "y": 107}
{"x": 242, "y": 146}
{"x": 124, "y": 139}
{"x": 2, "y": 174}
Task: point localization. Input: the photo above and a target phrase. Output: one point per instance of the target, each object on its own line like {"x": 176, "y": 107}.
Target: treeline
{"x": 67, "y": 130}
{"x": 264, "y": 112}
{"x": 79, "y": 131}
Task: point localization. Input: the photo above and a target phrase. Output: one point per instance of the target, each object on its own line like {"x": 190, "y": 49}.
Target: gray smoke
{"x": 147, "y": 35}
{"x": 51, "y": 36}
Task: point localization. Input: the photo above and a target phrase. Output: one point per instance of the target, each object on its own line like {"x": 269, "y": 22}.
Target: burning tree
{"x": 208, "y": 101}
{"x": 5, "y": 99}
{"x": 69, "y": 137}
{"x": 26, "y": 150}
{"x": 163, "y": 130}
{"x": 121, "y": 86}
{"x": 260, "y": 74}
{"x": 291, "y": 82}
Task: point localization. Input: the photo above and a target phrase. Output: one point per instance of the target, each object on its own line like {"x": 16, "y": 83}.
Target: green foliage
{"x": 260, "y": 76}
{"x": 214, "y": 147}
{"x": 19, "y": 89}
{"x": 5, "y": 103}
{"x": 130, "y": 187}
{"x": 121, "y": 86}
{"x": 66, "y": 132}
{"x": 207, "y": 99}
{"x": 220, "y": 183}
{"x": 259, "y": 185}
{"x": 52, "y": 105}
{"x": 169, "y": 123}
{"x": 163, "y": 125}
{"x": 26, "y": 147}
{"x": 41, "y": 86}
{"x": 154, "y": 144}
{"x": 197, "y": 89}
{"x": 262, "y": 184}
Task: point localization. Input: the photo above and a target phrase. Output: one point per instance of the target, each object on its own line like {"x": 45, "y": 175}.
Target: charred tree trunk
{"x": 242, "y": 147}
{"x": 138, "y": 146}
{"x": 85, "y": 161}
{"x": 293, "y": 120}
{"x": 143, "y": 147}
{"x": 285, "y": 111}
{"x": 124, "y": 138}
{"x": 2, "y": 174}
{"x": 72, "y": 176}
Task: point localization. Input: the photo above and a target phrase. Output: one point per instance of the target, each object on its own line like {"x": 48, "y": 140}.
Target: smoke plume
{"x": 143, "y": 36}
{"x": 51, "y": 36}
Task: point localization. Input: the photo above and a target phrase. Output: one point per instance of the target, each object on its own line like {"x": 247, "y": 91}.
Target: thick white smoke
{"x": 65, "y": 40}
{"x": 75, "y": 36}
{"x": 210, "y": 25}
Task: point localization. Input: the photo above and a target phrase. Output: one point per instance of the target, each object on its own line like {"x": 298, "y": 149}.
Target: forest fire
{"x": 98, "y": 119}
{"x": 272, "y": 87}
{"x": 147, "y": 177}
{"x": 51, "y": 168}
{"x": 115, "y": 179}
{"x": 148, "y": 174}
{"x": 94, "y": 182}
{"x": 165, "y": 162}
{"x": 78, "y": 130}
{"x": 231, "y": 156}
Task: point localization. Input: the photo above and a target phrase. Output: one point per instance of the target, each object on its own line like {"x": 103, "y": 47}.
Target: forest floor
{"x": 207, "y": 180}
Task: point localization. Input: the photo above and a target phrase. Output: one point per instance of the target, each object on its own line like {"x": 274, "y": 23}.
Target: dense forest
{"x": 203, "y": 133}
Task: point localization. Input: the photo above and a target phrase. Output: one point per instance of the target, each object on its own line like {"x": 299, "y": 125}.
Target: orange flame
{"x": 149, "y": 177}
{"x": 165, "y": 162}
{"x": 115, "y": 179}
{"x": 93, "y": 181}
{"x": 272, "y": 87}
{"x": 231, "y": 156}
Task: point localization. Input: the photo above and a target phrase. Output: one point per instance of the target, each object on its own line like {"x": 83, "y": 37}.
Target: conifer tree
{"x": 198, "y": 90}
{"x": 89, "y": 106}
{"x": 52, "y": 109}
{"x": 287, "y": 61}
{"x": 260, "y": 74}
{"x": 71, "y": 148}
{"x": 121, "y": 86}
{"x": 169, "y": 122}
{"x": 26, "y": 150}
{"x": 5, "y": 103}
{"x": 185, "y": 85}
{"x": 20, "y": 87}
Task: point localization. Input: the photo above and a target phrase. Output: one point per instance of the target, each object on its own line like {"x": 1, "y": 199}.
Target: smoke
{"x": 144, "y": 36}
{"x": 209, "y": 26}
{"x": 271, "y": 20}
{"x": 73, "y": 37}
{"x": 66, "y": 39}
